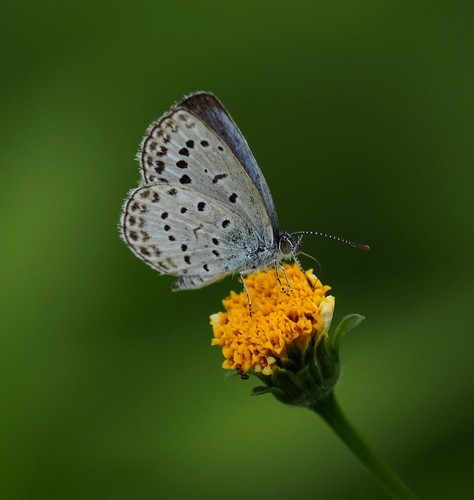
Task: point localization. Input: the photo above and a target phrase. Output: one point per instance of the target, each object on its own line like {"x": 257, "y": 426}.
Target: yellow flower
{"x": 280, "y": 319}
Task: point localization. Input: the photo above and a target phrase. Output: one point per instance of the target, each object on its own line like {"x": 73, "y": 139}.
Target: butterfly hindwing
{"x": 180, "y": 234}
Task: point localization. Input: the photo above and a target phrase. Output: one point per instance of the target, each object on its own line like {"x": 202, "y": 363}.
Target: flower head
{"x": 289, "y": 311}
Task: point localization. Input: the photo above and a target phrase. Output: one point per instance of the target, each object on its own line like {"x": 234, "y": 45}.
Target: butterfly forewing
{"x": 211, "y": 111}
{"x": 182, "y": 149}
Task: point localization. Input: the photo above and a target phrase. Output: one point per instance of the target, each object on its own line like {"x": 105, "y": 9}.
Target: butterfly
{"x": 203, "y": 209}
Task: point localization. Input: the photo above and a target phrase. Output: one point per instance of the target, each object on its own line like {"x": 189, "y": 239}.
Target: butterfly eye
{"x": 285, "y": 245}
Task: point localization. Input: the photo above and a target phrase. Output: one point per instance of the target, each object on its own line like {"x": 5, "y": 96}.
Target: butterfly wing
{"x": 198, "y": 214}
{"x": 207, "y": 107}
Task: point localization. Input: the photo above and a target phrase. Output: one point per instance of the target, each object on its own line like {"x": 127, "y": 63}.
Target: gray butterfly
{"x": 203, "y": 209}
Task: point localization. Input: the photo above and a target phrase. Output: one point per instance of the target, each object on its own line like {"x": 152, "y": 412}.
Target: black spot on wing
{"x": 159, "y": 166}
{"x": 162, "y": 151}
{"x": 218, "y": 177}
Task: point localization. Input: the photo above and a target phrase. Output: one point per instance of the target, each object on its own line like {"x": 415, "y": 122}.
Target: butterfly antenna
{"x": 336, "y": 238}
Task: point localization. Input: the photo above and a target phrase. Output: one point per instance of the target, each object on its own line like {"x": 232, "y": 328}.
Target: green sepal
{"x": 283, "y": 384}
{"x": 293, "y": 358}
{"x": 347, "y": 324}
{"x": 288, "y": 382}
{"x": 266, "y": 379}
{"x": 327, "y": 361}
{"x": 308, "y": 362}
{"x": 312, "y": 393}
{"x": 259, "y": 390}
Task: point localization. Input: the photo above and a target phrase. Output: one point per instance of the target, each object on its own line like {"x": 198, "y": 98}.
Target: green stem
{"x": 331, "y": 412}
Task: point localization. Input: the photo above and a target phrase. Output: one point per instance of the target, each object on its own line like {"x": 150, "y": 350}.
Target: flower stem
{"x": 331, "y": 412}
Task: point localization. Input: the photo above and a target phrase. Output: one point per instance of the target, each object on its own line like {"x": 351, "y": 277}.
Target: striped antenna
{"x": 336, "y": 238}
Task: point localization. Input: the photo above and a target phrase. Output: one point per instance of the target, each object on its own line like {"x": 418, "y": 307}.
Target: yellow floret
{"x": 280, "y": 317}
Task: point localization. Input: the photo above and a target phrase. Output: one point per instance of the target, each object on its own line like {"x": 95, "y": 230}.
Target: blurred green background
{"x": 360, "y": 115}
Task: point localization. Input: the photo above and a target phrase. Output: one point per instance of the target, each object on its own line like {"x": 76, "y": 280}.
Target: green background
{"x": 361, "y": 117}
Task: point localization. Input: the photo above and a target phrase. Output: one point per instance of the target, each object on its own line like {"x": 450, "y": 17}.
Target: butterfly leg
{"x": 287, "y": 279}
{"x": 278, "y": 266}
{"x": 246, "y": 291}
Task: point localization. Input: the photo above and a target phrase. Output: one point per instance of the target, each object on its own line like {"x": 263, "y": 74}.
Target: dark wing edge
{"x": 123, "y": 231}
{"x": 208, "y": 108}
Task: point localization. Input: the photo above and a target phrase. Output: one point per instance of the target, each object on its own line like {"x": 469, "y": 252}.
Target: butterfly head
{"x": 289, "y": 246}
